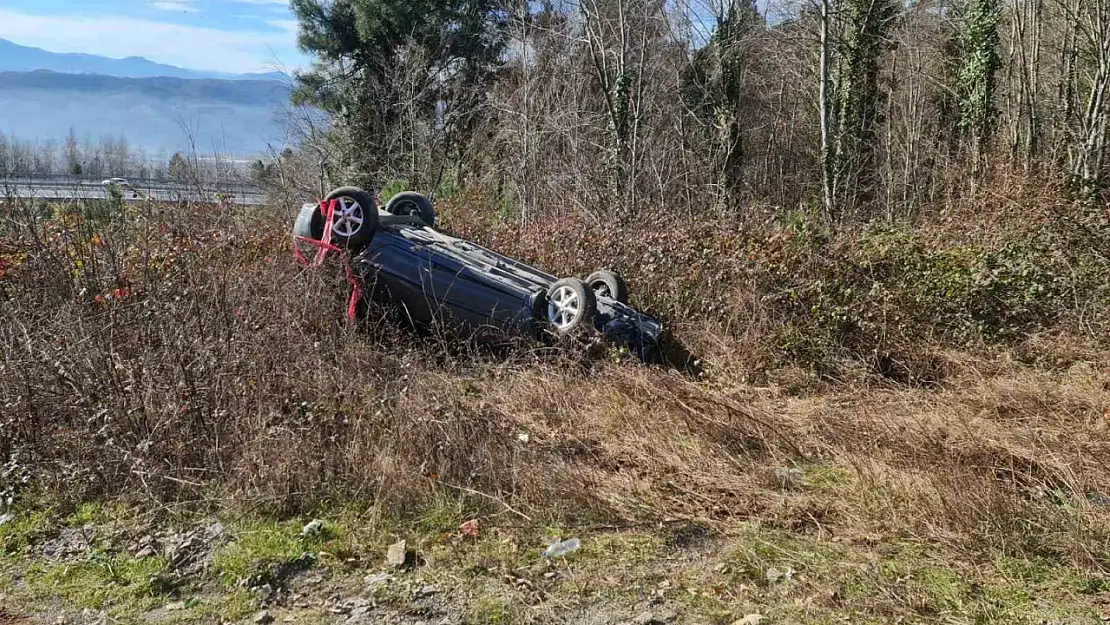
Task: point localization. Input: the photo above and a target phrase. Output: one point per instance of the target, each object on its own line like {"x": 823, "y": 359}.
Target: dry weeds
{"x": 175, "y": 358}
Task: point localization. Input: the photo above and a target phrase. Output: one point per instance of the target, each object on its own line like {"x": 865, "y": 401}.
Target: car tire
{"x": 412, "y": 203}
{"x": 609, "y": 284}
{"x": 571, "y": 306}
{"x": 355, "y": 227}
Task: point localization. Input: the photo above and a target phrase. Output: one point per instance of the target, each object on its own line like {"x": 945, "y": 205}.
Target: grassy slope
{"x": 994, "y": 525}
{"x": 210, "y": 389}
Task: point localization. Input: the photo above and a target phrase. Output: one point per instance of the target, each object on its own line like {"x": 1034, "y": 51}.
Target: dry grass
{"x": 175, "y": 358}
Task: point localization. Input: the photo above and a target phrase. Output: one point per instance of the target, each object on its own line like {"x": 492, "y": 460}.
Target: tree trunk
{"x": 828, "y": 157}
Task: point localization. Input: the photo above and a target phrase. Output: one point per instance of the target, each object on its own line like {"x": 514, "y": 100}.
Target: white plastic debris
{"x": 397, "y": 554}
{"x": 561, "y": 548}
{"x": 312, "y": 528}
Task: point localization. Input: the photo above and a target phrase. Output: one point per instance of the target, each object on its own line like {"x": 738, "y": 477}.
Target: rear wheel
{"x": 355, "y": 218}
{"x": 571, "y": 305}
{"x": 609, "y": 284}
{"x": 412, "y": 203}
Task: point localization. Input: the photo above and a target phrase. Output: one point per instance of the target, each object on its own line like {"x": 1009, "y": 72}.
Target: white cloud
{"x": 194, "y": 47}
{"x": 289, "y": 26}
{"x": 284, "y": 3}
{"x": 180, "y": 6}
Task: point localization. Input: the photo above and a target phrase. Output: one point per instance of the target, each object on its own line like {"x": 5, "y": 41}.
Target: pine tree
{"x": 384, "y": 66}
{"x": 178, "y": 168}
{"x": 72, "y": 154}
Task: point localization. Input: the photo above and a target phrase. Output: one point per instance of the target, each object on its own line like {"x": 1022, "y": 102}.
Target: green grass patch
{"x": 87, "y": 513}
{"x": 715, "y": 574}
{"x": 261, "y": 552}
{"x": 762, "y": 550}
{"x": 828, "y": 478}
{"x": 102, "y": 579}
{"x": 486, "y": 610}
{"x": 232, "y": 604}
{"x": 24, "y": 528}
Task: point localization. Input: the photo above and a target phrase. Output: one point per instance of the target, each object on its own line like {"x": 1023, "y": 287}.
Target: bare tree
{"x": 618, "y": 36}
{"x": 828, "y": 155}
{"x": 1088, "y": 85}
{"x": 608, "y": 107}
{"x": 1024, "y": 73}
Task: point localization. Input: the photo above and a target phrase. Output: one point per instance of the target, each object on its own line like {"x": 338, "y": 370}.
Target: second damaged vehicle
{"x": 433, "y": 278}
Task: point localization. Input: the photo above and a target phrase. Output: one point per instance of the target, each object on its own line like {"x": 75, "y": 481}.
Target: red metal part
{"x": 327, "y": 208}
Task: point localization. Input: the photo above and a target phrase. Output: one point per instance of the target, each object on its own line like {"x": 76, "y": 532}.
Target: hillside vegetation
{"x": 170, "y": 364}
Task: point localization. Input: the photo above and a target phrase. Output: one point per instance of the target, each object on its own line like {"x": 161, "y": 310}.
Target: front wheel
{"x": 571, "y": 305}
{"x": 355, "y": 218}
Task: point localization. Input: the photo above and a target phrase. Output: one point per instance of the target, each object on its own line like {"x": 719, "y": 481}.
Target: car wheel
{"x": 609, "y": 284}
{"x": 570, "y": 305}
{"x": 355, "y": 219}
{"x": 412, "y": 203}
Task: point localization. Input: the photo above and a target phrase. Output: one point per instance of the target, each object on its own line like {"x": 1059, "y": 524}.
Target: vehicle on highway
{"x": 434, "y": 278}
{"x": 125, "y": 188}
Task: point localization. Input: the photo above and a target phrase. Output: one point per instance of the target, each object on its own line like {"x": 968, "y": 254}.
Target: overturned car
{"x": 433, "y": 278}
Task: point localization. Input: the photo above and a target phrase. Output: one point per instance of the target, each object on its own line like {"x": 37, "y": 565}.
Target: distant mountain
{"x": 278, "y": 76}
{"x": 232, "y": 117}
{"x": 17, "y": 58}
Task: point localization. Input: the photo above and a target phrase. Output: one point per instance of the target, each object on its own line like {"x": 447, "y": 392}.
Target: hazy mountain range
{"x": 158, "y": 108}
{"x": 17, "y": 58}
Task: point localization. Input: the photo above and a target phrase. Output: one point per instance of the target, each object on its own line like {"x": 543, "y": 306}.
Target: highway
{"x": 159, "y": 190}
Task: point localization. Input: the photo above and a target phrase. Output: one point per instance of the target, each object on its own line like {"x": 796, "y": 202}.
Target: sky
{"x": 234, "y": 36}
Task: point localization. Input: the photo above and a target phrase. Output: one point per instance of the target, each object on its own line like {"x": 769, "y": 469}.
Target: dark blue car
{"x": 436, "y": 279}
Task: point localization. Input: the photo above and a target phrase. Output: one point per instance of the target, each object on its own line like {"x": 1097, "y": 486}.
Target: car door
{"x": 395, "y": 276}
{"x": 464, "y": 296}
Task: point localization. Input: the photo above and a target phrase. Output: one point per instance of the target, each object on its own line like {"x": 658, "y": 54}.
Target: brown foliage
{"x": 757, "y": 293}
{"x": 177, "y": 355}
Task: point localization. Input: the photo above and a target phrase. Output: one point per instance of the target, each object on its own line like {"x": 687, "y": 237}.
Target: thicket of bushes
{"x": 177, "y": 353}
{"x": 788, "y": 290}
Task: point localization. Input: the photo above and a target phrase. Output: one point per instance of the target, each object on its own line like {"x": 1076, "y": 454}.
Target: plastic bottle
{"x": 561, "y": 548}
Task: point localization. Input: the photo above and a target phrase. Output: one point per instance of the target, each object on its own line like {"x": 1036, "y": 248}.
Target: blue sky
{"x": 215, "y": 35}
